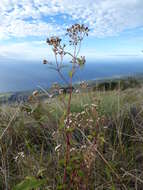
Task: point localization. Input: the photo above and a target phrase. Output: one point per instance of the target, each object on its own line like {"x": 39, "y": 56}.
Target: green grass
{"x": 28, "y": 146}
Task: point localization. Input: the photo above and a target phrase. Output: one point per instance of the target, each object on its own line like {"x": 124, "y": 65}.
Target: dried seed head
{"x": 30, "y": 98}
{"x": 35, "y": 93}
{"x": 20, "y": 155}
{"x": 45, "y": 61}
{"x": 76, "y": 33}
{"x": 72, "y": 149}
{"x": 57, "y": 148}
{"x": 94, "y": 105}
{"x": 54, "y": 41}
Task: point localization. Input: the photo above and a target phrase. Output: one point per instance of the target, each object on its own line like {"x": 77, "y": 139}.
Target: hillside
{"x": 106, "y": 135}
{"x": 92, "y": 85}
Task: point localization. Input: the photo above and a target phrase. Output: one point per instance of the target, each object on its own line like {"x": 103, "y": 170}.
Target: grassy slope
{"x": 28, "y": 146}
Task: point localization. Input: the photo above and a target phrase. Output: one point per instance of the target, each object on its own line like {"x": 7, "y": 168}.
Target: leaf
{"x": 81, "y": 61}
{"x": 113, "y": 187}
{"x": 70, "y": 74}
{"x": 80, "y": 173}
{"x": 108, "y": 173}
{"x": 61, "y": 124}
{"x": 29, "y": 183}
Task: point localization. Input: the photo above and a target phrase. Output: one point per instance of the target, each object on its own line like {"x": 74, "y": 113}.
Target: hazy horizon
{"x": 28, "y": 76}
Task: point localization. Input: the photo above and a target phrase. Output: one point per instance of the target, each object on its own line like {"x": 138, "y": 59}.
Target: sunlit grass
{"x": 28, "y": 146}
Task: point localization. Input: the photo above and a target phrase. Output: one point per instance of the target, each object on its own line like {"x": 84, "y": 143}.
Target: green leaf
{"x": 80, "y": 173}
{"x": 62, "y": 162}
{"x": 70, "y": 74}
{"x": 62, "y": 125}
{"x": 108, "y": 173}
{"x": 29, "y": 183}
{"x": 81, "y": 62}
{"x": 113, "y": 187}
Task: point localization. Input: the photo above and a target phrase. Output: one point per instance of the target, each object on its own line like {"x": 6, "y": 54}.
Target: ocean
{"x": 22, "y": 76}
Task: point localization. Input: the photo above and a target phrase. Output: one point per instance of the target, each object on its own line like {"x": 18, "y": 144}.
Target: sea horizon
{"x": 25, "y": 76}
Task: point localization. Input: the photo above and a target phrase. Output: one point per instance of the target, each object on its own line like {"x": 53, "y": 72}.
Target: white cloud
{"x": 104, "y": 17}
{"x": 36, "y": 50}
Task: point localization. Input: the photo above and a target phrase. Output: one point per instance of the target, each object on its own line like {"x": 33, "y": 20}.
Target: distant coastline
{"x": 102, "y": 83}
{"x": 25, "y": 77}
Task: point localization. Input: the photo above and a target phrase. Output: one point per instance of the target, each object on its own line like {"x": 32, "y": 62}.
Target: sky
{"x": 116, "y": 27}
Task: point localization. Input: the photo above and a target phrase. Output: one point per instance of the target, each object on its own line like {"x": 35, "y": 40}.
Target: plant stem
{"x": 68, "y": 113}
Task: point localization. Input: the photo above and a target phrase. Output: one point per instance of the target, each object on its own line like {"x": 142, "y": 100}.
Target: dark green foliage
{"x": 108, "y": 86}
{"x": 123, "y": 84}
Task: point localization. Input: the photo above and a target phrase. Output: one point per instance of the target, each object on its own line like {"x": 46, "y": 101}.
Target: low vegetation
{"x": 106, "y": 149}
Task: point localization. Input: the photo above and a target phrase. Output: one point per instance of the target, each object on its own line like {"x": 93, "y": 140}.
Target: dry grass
{"x": 107, "y": 139}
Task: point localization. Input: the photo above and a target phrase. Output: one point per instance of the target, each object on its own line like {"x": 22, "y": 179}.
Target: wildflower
{"x": 53, "y": 134}
{"x": 53, "y": 40}
{"x": 57, "y": 148}
{"x": 35, "y": 93}
{"x": 83, "y": 59}
{"x": 65, "y": 121}
{"x": 78, "y": 114}
{"x": 77, "y": 91}
{"x": 61, "y": 91}
{"x": 70, "y": 121}
{"x": 20, "y": 155}
{"x": 83, "y": 84}
{"x": 98, "y": 119}
{"x": 30, "y": 98}
{"x": 83, "y": 112}
{"x": 94, "y": 105}
{"x": 72, "y": 149}
{"x": 68, "y": 127}
{"x": 86, "y": 105}
{"x": 83, "y": 146}
{"x": 91, "y": 120}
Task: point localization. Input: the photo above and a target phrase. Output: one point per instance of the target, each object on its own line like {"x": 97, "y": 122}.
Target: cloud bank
{"x": 25, "y": 18}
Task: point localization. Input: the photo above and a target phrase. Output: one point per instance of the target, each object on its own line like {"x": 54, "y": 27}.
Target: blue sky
{"x": 116, "y": 27}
